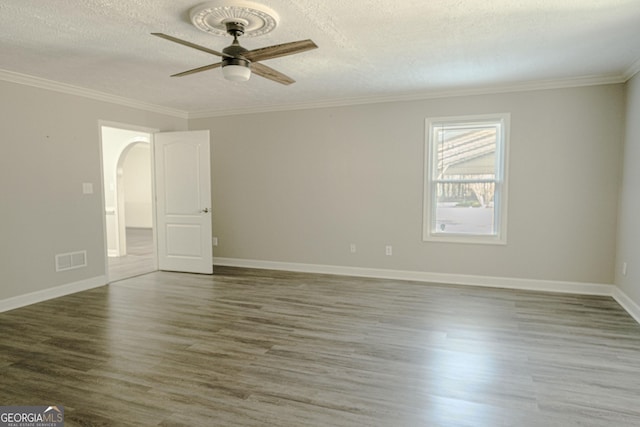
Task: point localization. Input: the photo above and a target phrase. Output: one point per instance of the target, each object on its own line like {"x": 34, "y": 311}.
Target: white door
{"x": 183, "y": 208}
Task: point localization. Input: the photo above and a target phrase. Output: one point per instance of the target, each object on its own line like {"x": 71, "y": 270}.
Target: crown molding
{"x": 419, "y": 96}
{"x": 24, "y": 79}
{"x": 28, "y": 80}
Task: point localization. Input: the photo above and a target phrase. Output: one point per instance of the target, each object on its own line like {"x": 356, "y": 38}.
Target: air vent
{"x": 71, "y": 260}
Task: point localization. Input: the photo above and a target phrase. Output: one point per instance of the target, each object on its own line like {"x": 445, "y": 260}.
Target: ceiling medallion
{"x": 212, "y": 17}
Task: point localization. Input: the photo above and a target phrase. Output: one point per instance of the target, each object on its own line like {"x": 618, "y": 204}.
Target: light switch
{"x": 87, "y": 188}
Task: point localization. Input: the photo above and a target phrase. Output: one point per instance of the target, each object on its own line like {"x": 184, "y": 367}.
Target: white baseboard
{"x": 627, "y": 303}
{"x": 46, "y": 294}
{"x": 455, "y": 279}
{"x": 421, "y": 276}
{"x": 579, "y": 288}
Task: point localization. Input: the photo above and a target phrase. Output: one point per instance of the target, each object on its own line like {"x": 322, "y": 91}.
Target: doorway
{"x": 128, "y": 199}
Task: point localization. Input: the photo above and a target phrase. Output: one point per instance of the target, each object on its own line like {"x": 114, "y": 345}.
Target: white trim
{"x": 47, "y": 294}
{"x": 28, "y": 80}
{"x": 500, "y": 121}
{"x": 41, "y": 83}
{"x": 455, "y": 279}
{"x": 126, "y": 126}
{"x": 146, "y": 134}
{"x": 627, "y": 303}
{"x": 419, "y": 96}
{"x": 423, "y": 276}
{"x": 578, "y": 288}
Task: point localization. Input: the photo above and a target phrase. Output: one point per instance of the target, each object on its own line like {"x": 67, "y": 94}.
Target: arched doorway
{"x": 128, "y": 195}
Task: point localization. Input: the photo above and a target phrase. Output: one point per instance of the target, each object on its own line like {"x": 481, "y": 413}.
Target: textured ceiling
{"x": 368, "y": 50}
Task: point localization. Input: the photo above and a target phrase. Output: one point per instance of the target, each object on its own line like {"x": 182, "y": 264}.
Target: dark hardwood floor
{"x": 264, "y": 348}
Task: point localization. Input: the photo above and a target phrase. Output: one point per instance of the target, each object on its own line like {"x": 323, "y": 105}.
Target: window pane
{"x": 465, "y": 208}
{"x": 465, "y": 152}
{"x": 466, "y": 179}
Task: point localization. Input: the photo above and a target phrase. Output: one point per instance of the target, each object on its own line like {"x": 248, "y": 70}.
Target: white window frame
{"x": 429, "y": 231}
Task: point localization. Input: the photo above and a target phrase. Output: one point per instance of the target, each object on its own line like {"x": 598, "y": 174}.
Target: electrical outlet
{"x": 624, "y": 268}
{"x": 214, "y": 241}
{"x": 352, "y": 248}
{"x": 388, "y": 250}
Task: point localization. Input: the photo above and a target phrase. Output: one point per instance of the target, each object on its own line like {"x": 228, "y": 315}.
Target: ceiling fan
{"x": 238, "y": 63}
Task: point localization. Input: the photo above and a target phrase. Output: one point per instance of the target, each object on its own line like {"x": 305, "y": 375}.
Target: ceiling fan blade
{"x": 197, "y": 70}
{"x": 279, "y": 50}
{"x": 271, "y": 74}
{"x": 189, "y": 44}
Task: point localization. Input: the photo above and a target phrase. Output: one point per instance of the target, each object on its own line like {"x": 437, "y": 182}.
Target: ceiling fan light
{"x": 236, "y": 73}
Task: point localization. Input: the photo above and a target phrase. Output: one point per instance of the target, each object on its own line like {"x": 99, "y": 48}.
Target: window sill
{"x": 466, "y": 239}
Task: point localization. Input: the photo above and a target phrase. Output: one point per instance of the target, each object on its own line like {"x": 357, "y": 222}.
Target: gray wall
{"x": 50, "y": 146}
{"x": 300, "y": 186}
{"x": 629, "y": 223}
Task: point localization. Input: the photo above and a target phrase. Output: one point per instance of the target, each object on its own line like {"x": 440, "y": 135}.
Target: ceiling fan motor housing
{"x": 235, "y": 52}
{"x": 235, "y": 66}
{"x": 236, "y": 61}
{"x": 235, "y": 28}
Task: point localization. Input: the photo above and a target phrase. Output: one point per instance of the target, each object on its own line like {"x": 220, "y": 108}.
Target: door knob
{"x": 205, "y": 210}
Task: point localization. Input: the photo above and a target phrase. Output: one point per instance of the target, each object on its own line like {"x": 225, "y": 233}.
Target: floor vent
{"x": 71, "y": 260}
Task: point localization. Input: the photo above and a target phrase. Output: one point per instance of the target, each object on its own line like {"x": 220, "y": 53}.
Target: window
{"x": 465, "y": 179}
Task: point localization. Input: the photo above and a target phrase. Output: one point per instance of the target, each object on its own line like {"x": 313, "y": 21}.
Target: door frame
{"x": 134, "y": 128}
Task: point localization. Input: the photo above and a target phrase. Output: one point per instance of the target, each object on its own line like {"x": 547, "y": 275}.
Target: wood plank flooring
{"x": 264, "y": 348}
{"x": 140, "y": 258}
